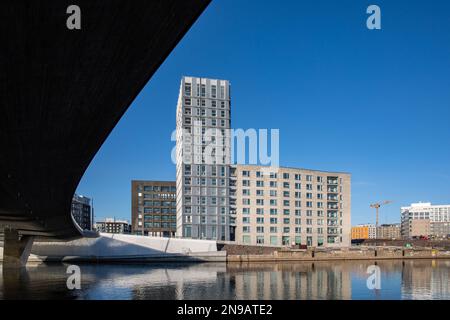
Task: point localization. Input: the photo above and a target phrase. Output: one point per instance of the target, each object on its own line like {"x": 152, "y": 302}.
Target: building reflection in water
{"x": 418, "y": 279}
{"x": 290, "y": 281}
{"x": 426, "y": 279}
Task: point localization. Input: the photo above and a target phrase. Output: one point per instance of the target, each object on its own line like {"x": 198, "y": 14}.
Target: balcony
{"x": 332, "y": 181}
{"x": 333, "y": 231}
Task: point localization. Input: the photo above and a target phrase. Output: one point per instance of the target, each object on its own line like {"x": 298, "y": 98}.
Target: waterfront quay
{"x": 266, "y": 254}
{"x": 138, "y": 249}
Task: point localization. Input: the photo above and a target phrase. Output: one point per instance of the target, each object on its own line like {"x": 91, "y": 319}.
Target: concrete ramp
{"x": 127, "y": 248}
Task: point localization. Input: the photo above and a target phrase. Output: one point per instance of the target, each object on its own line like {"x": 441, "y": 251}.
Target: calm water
{"x": 418, "y": 279}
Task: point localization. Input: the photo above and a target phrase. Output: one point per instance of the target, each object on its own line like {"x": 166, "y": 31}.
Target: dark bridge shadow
{"x": 63, "y": 91}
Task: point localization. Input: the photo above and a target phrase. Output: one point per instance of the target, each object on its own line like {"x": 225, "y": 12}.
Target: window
{"x": 274, "y": 240}
{"x": 203, "y": 91}
{"x": 213, "y": 91}
{"x": 285, "y": 175}
{"x": 187, "y": 89}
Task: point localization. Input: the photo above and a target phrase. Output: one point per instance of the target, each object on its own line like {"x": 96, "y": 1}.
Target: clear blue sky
{"x": 372, "y": 103}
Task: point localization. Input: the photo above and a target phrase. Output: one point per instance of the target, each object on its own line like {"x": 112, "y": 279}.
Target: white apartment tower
{"x": 203, "y": 159}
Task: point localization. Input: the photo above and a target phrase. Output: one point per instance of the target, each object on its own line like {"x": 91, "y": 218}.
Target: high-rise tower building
{"x": 203, "y": 159}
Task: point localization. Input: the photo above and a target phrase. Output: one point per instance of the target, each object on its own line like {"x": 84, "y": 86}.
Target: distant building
{"x": 153, "y": 208}
{"x": 111, "y": 225}
{"x": 364, "y": 231}
{"x": 82, "y": 211}
{"x": 285, "y": 206}
{"x": 424, "y": 219}
{"x": 389, "y": 231}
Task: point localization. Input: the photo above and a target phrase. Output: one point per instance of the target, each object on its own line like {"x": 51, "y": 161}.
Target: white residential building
{"x": 425, "y": 219}
{"x": 203, "y": 159}
{"x": 291, "y": 206}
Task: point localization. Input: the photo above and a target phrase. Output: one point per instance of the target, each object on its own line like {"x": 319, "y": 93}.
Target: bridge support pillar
{"x": 16, "y": 249}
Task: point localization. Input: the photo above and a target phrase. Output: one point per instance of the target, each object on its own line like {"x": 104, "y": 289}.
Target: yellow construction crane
{"x": 377, "y": 206}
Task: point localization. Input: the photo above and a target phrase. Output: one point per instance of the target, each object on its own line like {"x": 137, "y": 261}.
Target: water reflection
{"x": 425, "y": 279}
{"x": 411, "y": 279}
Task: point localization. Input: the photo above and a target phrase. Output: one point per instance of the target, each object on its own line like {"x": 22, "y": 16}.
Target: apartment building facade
{"x": 111, "y": 225}
{"x": 82, "y": 211}
{"x": 363, "y": 231}
{"x": 203, "y": 149}
{"x": 389, "y": 231}
{"x": 291, "y": 206}
{"x": 153, "y": 208}
{"x": 425, "y": 219}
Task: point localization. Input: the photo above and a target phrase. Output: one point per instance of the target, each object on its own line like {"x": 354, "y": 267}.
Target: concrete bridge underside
{"x": 62, "y": 92}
